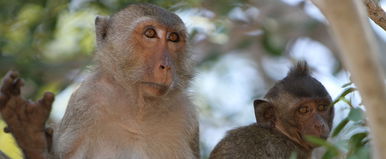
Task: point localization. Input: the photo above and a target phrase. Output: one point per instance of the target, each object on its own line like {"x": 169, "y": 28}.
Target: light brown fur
{"x": 111, "y": 115}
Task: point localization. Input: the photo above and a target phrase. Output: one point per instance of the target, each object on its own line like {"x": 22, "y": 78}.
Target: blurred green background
{"x": 241, "y": 47}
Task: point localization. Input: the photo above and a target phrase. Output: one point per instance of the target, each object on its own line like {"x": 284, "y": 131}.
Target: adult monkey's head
{"x": 144, "y": 47}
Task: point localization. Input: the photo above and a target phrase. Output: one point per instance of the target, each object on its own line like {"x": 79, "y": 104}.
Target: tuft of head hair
{"x": 300, "y": 69}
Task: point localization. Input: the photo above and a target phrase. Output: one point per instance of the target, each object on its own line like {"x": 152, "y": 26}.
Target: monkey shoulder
{"x": 79, "y": 116}
{"x": 255, "y": 142}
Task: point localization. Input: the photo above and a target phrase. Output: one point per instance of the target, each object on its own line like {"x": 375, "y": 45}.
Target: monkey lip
{"x": 156, "y": 85}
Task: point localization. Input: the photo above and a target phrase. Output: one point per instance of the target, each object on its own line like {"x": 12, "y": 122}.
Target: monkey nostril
{"x": 164, "y": 67}
{"x": 320, "y": 128}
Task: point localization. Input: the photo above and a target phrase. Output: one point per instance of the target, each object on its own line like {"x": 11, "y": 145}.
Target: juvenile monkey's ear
{"x": 264, "y": 113}
{"x": 101, "y": 26}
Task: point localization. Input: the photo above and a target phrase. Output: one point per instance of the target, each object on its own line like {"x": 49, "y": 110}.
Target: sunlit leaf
{"x": 347, "y": 84}
{"x": 343, "y": 94}
{"x": 355, "y": 114}
{"x": 8, "y": 144}
{"x": 348, "y": 102}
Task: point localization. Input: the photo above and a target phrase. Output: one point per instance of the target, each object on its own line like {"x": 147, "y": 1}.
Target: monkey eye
{"x": 174, "y": 37}
{"x": 322, "y": 107}
{"x": 150, "y": 33}
{"x": 303, "y": 109}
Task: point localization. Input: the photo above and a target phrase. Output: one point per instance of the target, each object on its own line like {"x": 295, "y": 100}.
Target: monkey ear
{"x": 264, "y": 113}
{"x": 101, "y": 25}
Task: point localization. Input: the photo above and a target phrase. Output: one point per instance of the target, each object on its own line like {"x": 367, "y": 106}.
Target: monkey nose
{"x": 319, "y": 127}
{"x": 322, "y": 129}
{"x": 164, "y": 67}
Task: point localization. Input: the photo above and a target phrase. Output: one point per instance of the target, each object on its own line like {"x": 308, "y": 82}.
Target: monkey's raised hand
{"x": 26, "y": 119}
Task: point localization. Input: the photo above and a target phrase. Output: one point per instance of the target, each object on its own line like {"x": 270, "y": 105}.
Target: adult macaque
{"x": 297, "y": 106}
{"x": 134, "y": 104}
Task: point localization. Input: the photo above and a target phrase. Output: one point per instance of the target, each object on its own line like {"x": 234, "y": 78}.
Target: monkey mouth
{"x": 161, "y": 88}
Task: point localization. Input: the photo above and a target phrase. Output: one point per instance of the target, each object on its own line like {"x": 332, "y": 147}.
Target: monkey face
{"x": 305, "y": 117}
{"x": 312, "y": 117}
{"x": 144, "y": 47}
{"x": 158, "y": 48}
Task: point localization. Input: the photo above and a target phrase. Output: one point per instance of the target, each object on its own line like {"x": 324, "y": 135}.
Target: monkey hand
{"x": 26, "y": 119}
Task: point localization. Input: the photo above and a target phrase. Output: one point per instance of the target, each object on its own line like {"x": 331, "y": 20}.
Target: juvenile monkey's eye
{"x": 150, "y": 33}
{"x": 174, "y": 37}
{"x": 322, "y": 107}
{"x": 303, "y": 109}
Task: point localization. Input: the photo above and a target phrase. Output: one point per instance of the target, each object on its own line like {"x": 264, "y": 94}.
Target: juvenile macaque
{"x": 297, "y": 106}
{"x": 134, "y": 104}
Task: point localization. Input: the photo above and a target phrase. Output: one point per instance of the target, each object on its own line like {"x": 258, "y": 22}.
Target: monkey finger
{"x": 8, "y": 82}
{"x": 49, "y": 131}
{"x": 47, "y": 100}
{"x": 17, "y": 84}
{"x": 13, "y": 74}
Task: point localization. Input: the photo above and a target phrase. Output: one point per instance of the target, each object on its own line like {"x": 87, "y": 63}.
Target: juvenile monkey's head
{"x": 297, "y": 106}
{"x": 144, "y": 46}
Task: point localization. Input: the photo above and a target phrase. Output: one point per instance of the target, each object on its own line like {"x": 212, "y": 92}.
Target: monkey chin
{"x": 151, "y": 89}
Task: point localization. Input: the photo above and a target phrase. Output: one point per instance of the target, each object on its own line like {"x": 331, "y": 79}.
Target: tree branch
{"x": 376, "y": 13}
{"x": 359, "y": 51}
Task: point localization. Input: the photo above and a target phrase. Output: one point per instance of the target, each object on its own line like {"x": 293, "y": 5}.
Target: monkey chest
{"x": 158, "y": 141}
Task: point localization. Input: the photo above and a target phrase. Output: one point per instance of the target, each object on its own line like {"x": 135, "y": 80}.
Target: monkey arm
{"x": 26, "y": 119}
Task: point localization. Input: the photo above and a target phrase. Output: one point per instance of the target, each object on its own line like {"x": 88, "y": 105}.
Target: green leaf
{"x": 357, "y": 142}
{"x": 332, "y": 150}
{"x": 363, "y": 152}
{"x": 355, "y": 114}
{"x": 348, "y": 102}
{"x": 343, "y": 94}
{"x": 340, "y": 127}
{"x": 347, "y": 84}
{"x": 329, "y": 155}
